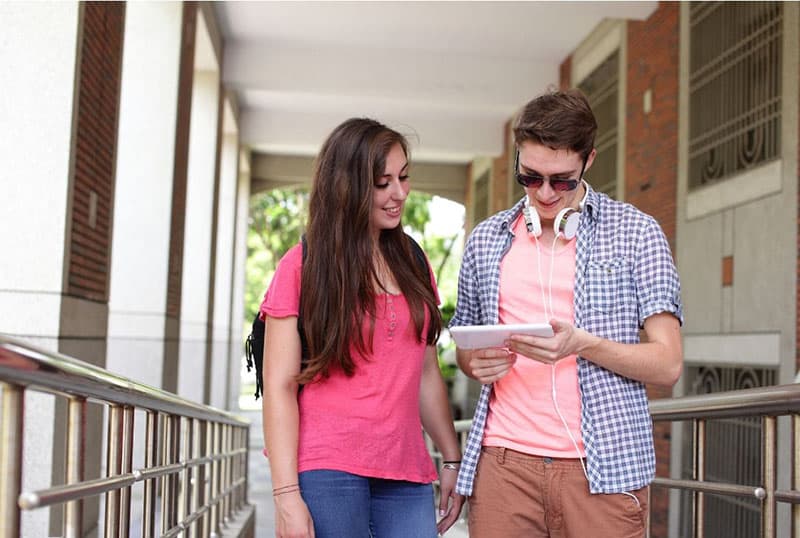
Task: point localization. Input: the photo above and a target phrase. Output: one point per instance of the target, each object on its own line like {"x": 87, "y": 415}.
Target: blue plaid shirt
{"x": 624, "y": 273}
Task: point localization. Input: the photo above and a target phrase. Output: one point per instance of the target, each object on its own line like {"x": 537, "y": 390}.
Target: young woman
{"x": 346, "y": 452}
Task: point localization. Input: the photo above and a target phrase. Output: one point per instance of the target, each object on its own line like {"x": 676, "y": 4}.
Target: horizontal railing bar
{"x": 80, "y": 490}
{"x": 719, "y": 488}
{"x": 462, "y": 425}
{"x": 771, "y": 401}
{"x": 792, "y": 497}
{"x": 27, "y": 365}
{"x": 155, "y": 472}
{"x": 184, "y": 525}
{"x": 71, "y": 492}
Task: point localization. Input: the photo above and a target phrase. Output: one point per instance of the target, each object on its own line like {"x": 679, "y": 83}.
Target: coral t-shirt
{"x": 368, "y": 424}
{"x": 522, "y": 414}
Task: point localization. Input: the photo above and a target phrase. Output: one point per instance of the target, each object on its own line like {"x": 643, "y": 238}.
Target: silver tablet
{"x": 481, "y": 336}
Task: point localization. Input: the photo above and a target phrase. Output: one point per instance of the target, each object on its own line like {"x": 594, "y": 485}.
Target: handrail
{"x": 194, "y": 454}
{"x": 770, "y": 401}
{"x": 765, "y": 402}
{"x": 26, "y": 365}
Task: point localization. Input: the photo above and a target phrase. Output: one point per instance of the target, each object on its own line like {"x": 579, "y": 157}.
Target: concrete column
{"x": 145, "y": 167}
{"x": 222, "y": 358}
{"x": 238, "y": 323}
{"x": 192, "y": 374}
{"x": 37, "y": 163}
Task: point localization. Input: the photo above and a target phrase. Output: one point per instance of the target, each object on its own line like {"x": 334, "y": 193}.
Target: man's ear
{"x": 590, "y": 160}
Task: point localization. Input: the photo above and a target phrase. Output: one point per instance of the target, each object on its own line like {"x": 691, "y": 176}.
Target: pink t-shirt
{"x": 522, "y": 401}
{"x": 368, "y": 424}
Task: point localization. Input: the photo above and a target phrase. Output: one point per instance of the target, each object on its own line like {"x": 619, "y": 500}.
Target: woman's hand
{"x": 450, "y": 502}
{"x": 292, "y": 518}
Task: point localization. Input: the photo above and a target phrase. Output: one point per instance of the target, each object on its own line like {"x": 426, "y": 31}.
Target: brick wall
{"x": 651, "y": 168}
{"x": 500, "y": 174}
{"x": 651, "y": 142}
{"x": 89, "y": 240}
{"x": 178, "y": 219}
{"x": 565, "y": 74}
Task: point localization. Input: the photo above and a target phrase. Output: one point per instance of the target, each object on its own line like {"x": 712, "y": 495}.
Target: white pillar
{"x": 238, "y": 323}
{"x": 192, "y": 372}
{"x": 222, "y": 361}
{"x": 38, "y": 52}
{"x": 143, "y": 192}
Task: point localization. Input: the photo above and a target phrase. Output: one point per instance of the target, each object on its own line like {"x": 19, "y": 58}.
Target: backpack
{"x": 254, "y": 343}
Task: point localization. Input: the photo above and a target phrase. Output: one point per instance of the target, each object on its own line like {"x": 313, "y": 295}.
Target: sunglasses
{"x": 536, "y": 181}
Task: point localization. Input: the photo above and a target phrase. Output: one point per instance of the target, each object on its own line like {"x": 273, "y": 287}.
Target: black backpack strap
{"x": 304, "y": 354}
{"x": 419, "y": 254}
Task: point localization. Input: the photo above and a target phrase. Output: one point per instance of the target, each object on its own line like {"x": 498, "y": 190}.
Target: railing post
{"x": 183, "y": 492}
{"x": 151, "y": 442}
{"x": 11, "y": 458}
{"x": 699, "y": 473}
{"x": 226, "y": 473}
{"x": 796, "y": 473}
{"x": 165, "y": 442}
{"x": 196, "y": 476}
{"x": 126, "y": 467}
{"x": 76, "y": 417}
{"x": 113, "y": 467}
{"x": 214, "y": 497}
{"x": 769, "y": 466}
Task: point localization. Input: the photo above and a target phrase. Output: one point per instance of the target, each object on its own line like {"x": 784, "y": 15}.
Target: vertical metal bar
{"x": 185, "y": 450}
{"x": 769, "y": 466}
{"x": 215, "y": 480}
{"x": 150, "y": 459}
{"x": 126, "y": 467}
{"x": 76, "y": 421}
{"x": 11, "y": 458}
{"x": 195, "y": 477}
{"x": 226, "y": 473}
{"x": 166, "y": 482}
{"x": 113, "y": 465}
{"x": 796, "y": 474}
{"x": 699, "y": 474}
{"x": 207, "y": 472}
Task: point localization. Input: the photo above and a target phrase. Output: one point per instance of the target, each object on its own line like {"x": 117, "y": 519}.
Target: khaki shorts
{"x": 519, "y": 495}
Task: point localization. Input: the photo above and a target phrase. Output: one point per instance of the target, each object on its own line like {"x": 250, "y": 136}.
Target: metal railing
{"x": 195, "y": 455}
{"x": 767, "y": 403}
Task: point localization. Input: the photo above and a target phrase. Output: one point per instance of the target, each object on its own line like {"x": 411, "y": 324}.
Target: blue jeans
{"x": 352, "y": 506}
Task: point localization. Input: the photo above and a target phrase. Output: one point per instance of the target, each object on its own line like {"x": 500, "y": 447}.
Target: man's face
{"x": 539, "y": 160}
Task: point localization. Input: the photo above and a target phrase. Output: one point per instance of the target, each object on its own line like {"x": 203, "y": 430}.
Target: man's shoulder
{"x": 616, "y": 212}
{"x": 499, "y": 222}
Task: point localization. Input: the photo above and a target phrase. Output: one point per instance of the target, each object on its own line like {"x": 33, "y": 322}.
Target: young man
{"x": 562, "y": 443}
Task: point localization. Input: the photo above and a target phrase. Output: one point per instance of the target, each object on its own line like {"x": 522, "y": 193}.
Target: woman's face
{"x": 390, "y": 191}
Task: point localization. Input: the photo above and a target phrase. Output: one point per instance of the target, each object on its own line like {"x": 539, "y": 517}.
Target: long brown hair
{"x": 339, "y": 275}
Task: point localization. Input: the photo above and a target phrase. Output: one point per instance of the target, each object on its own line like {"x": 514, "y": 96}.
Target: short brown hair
{"x": 558, "y": 120}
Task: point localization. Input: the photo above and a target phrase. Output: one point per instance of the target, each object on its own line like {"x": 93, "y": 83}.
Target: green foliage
{"x": 277, "y": 220}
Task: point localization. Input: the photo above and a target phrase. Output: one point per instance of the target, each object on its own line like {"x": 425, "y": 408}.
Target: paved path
{"x": 260, "y": 493}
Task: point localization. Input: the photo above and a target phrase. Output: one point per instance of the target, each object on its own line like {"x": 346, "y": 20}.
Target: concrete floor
{"x": 260, "y": 490}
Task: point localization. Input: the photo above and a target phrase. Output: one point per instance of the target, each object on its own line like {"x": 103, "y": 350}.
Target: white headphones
{"x": 565, "y": 223}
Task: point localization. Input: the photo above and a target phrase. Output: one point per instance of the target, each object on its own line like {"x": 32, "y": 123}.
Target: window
{"x": 734, "y": 88}
{"x": 733, "y": 454}
{"x": 601, "y": 88}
